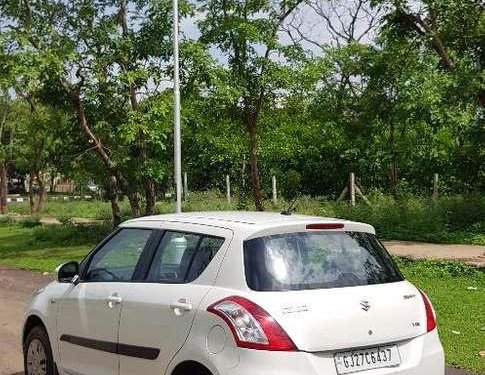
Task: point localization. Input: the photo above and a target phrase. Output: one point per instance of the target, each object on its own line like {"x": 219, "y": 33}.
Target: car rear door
{"x": 157, "y": 314}
{"x": 333, "y": 290}
{"x": 89, "y": 312}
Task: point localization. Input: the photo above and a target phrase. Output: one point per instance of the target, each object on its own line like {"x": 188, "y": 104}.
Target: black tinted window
{"x": 182, "y": 257}
{"x": 317, "y": 260}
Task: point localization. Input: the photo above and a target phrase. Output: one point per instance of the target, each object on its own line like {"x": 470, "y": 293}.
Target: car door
{"x": 89, "y": 312}
{"x": 157, "y": 314}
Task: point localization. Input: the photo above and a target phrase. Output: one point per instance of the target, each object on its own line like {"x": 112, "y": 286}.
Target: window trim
{"x": 83, "y": 269}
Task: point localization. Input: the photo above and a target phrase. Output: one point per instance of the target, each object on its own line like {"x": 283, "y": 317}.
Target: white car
{"x": 233, "y": 293}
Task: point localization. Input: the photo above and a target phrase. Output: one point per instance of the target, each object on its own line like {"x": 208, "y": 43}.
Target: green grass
{"x": 454, "y": 219}
{"x": 460, "y": 308}
{"x": 44, "y": 248}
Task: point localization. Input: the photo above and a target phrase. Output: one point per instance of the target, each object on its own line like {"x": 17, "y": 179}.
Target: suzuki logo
{"x": 365, "y": 305}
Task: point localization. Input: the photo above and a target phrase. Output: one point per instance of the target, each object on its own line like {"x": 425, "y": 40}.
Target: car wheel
{"x": 38, "y": 353}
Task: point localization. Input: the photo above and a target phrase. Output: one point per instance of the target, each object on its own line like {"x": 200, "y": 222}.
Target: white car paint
{"x": 320, "y": 322}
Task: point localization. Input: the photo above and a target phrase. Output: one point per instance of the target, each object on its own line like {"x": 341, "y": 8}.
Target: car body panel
{"x": 330, "y": 319}
{"x": 84, "y": 313}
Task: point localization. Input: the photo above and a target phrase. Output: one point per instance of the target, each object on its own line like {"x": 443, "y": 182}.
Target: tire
{"x": 38, "y": 358}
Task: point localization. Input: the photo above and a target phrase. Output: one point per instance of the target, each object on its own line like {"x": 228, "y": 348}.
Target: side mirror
{"x": 67, "y": 272}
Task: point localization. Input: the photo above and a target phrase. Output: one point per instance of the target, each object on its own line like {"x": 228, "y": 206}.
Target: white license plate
{"x": 367, "y": 359}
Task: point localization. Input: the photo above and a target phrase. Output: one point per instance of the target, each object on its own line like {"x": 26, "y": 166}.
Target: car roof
{"x": 248, "y": 222}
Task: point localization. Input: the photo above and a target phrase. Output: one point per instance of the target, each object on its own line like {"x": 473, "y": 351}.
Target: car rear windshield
{"x": 317, "y": 260}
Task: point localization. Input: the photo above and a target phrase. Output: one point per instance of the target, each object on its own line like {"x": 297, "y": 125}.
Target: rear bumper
{"x": 420, "y": 356}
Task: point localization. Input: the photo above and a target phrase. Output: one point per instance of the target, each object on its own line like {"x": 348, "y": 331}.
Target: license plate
{"x": 367, "y": 359}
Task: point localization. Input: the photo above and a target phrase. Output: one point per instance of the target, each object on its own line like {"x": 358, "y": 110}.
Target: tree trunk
{"x": 134, "y": 202}
{"x": 253, "y": 162}
{"x": 42, "y": 192}
{"x": 113, "y": 197}
{"x": 3, "y": 171}
{"x": 393, "y": 178}
{"x": 31, "y": 192}
{"x": 150, "y": 197}
{"x": 114, "y": 175}
{"x": 3, "y": 188}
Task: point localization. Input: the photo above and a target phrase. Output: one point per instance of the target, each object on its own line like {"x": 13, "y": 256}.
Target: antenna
{"x": 291, "y": 207}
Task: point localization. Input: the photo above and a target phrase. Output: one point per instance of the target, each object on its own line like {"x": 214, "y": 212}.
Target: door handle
{"x": 114, "y": 300}
{"x": 181, "y": 306}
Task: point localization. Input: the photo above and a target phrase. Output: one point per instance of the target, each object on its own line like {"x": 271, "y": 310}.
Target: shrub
{"x": 71, "y": 235}
{"x": 30, "y": 222}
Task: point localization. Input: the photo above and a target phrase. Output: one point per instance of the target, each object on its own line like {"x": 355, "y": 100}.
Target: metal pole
{"x": 176, "y": 110}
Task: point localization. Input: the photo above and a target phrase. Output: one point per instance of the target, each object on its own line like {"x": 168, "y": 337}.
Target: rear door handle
{"x": 181, "y": 306}
{"x": 114, "y": 300}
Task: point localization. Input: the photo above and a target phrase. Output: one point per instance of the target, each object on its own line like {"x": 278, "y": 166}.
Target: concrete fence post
{"x": 435, "y": 186}
{"x": 352, "y": 188}
{"x": 275, "y": 192}
{"x": 228, "y": 189}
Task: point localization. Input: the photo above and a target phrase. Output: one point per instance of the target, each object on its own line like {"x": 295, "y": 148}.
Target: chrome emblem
{"x": 365, "y": 305}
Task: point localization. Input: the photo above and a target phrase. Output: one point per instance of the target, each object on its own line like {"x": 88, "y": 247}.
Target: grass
{"x": 458, "y": 294}
{"x": 452, "y": 219}
{"x": 44, "y": 248}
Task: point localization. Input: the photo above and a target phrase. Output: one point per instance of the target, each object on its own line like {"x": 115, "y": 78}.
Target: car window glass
{"x": 299, "y": 261}
{"x": 117, "y": 259}
{"x": 182, "y": 257}
{"x": 208, "y": 248}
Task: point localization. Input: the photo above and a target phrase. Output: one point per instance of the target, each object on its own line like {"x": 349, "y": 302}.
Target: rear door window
{"x": 182, "y": 257}
{"x": 317, "y": 260}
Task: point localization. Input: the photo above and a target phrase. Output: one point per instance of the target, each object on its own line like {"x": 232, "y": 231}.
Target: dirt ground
{"x": 16, "y": 287}
{"x": 421, "y": 250}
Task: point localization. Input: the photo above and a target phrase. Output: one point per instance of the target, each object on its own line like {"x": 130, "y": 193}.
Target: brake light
{"x": 430, "y": 316}
{"x": 251, "y": 325}
{"x": 325, "y": 226}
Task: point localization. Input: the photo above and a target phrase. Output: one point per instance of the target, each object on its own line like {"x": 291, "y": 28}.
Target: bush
{"x": 71, "y": 235}
{"x": 450, "y": 219}
{"x": 30, "y": 222}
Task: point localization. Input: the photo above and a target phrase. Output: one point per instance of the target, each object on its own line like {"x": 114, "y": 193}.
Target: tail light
{"x": 251, "y": 325}
{"x": 430, "y": 316}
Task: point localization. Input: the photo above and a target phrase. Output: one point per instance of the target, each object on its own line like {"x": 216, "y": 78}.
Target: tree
{"x": 96, "y": 65}
{"x": 453, "y": 29}
{"x": 5, "y": 151}
{"x": 247, "y": 34}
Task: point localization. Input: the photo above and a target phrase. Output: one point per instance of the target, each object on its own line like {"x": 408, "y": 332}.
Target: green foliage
{"x": 452, "y": 219}
{"x": 291, "y": 185}
{"x": 44, "y": 248}
{"x": 30, "y": 222}
{"x": 393, "y": 107}
{"x": 457, "y": 292}
{"x": 456, "y": 219}
{"x": 70, "y": 235}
